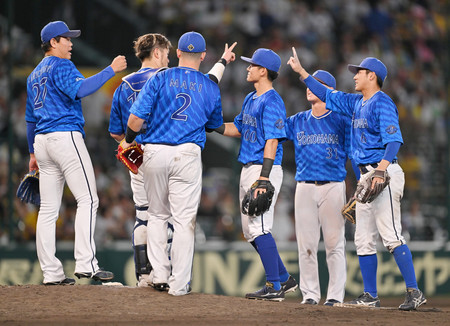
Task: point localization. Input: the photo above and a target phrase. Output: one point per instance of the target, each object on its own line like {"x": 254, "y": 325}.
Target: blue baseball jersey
{"x": 322, "y": 145}
{"x": 374, "y": 123}
{"x": 124, "y": 97}
{"x": 178, "y": 104}
{"x": 262, "y": 118}
{"x": 51, "y": 96}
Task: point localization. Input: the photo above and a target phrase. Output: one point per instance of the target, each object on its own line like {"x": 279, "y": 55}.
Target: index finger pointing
{"x": 232, "y": 46}
{"x": 294, "y": 53}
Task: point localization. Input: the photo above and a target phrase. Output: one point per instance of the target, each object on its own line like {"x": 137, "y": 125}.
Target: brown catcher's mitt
{"x": 364, "y": 192}
{"x": 349, "y": 210}
{"x": 252, "y": 206}
{"x": 131, "y": 157}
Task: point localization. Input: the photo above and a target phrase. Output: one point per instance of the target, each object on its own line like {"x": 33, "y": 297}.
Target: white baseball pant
{"x": 63, "y": 157}
{"x": 319, "y": 207}
{"x": 140, "y": 200}
{"x": 173, "y": 181}
{"x": 382, "y": 216}
{"x": 253, "y": 227}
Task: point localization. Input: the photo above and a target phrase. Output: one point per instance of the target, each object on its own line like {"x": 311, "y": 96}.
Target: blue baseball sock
{"x": 403, "y": 258}
{"x": 368, "y": 265}
{"x": 268, "y": 253}
{"x": 284, "y": 275}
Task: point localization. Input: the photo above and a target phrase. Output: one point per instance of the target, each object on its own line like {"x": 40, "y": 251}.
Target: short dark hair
{"x": 271, "y": 75}
{"x": 379, "y": 82}
{"x": 47, "y": 46}
{"x": 145, "y": 44}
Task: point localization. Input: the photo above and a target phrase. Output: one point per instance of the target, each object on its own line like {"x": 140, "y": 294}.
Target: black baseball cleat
{"x": 331, "y": 302}
{"x": 413, "y": 299}
{"x": 290, "y": 285}
{"x": 309, "y": 301}
{"x": 66, "y": 281}
{"x": 267, "y": 293}
{"x": 365, "y": 300}
{"x": 99, "y": 275}
{"x": 161, "y": 286}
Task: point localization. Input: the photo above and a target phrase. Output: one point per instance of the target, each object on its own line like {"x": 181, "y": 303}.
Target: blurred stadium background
{"x": 410, "y": 37}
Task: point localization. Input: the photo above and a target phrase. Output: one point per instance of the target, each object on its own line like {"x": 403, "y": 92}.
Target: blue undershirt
{"x": 93, "y": 83}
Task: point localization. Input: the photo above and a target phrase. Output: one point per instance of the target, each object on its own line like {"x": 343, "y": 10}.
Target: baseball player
{"x": 56, "y": 144}
{"x": 177, "y": 104}
{"x": 261, "y": 128}
{"x": 152, "y": 50}
{"x": 322, "y": 142}
{"x": 376, "y": 139}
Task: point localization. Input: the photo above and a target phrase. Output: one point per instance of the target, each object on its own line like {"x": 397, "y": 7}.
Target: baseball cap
{"x": 57, "y": 28}
{"x": 372, "y": 64}
{"x": 325, "y": 77}
{"x": 265, "y": 58}
{"x": 192, "y": 42}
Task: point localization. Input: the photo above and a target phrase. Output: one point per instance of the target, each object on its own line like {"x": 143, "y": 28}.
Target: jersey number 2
{"x": 178, "y": 114}
{"x": 41, "y": 92}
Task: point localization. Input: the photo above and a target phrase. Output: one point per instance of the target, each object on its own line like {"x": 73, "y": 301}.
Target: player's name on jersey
{"x": 184, "y": 85}
{"x": 317, "y": 138}
{"x": 247, "y": 119}
{"x": 38, "y": 73}
{"x": 360, "y": 123}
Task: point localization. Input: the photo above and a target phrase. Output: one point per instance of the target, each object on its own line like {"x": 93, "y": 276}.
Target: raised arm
{"x": 217, "y": 70}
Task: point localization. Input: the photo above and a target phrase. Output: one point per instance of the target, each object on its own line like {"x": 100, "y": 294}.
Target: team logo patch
{"x": 391, "y": 130}
{"x": 279, "y": 124}
{"x": 190, "y": 47}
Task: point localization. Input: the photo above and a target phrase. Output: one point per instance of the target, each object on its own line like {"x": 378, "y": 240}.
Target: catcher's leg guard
{"x": 142, "y": 264}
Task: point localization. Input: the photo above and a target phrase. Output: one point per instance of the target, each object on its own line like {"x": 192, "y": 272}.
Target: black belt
{"x": 251, "y": 163}
{"x": 364, "y": 170}
{"x": 317, "y": 183}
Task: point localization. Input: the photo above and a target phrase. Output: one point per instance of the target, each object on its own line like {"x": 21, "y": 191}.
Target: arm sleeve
{"x": 317, "y": 88}
{"x": 391, "y": 150}
{"x": 216, "y": 72}
{"x": 93, "y": 83}
{"x": 31, "y": 132}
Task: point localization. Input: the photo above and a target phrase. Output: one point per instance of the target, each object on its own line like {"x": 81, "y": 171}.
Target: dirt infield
{"x": 109, "y": 305}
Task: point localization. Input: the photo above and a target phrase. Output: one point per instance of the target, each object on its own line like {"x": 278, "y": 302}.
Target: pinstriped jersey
{"x": 321, "y": 145}
{"x": 178, "y": 104}
{"x": 374, "y": 123}
{"x": 262, "y": 118}
{"x": 124, "y": 97}
{"x": 51, "y": 96}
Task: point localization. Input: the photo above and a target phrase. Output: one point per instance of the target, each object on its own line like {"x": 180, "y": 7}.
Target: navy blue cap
{"x": 265, "y": 58}
{"x": 192, "y": 42}
{"x": 57, "y": 28}
{"x": 372, "y": 64}
{"x": 325, "y": 77}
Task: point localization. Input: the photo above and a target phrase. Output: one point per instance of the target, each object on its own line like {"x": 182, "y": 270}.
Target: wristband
{"x": 223, "y": 61}
{"x": 379, "y": 174}
{"x": 266, "y": 167}
{"x": 221, "y": 129}
{"x": 130, "y": 135}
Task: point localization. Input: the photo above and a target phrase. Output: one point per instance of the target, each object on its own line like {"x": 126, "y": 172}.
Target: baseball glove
{"x": 28, "y": 190}
{"x": 255, "y": 206}
{"x": 131, "y": 157}
{"x": 349, "y": 210}
{"x": 364, "y": 192}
